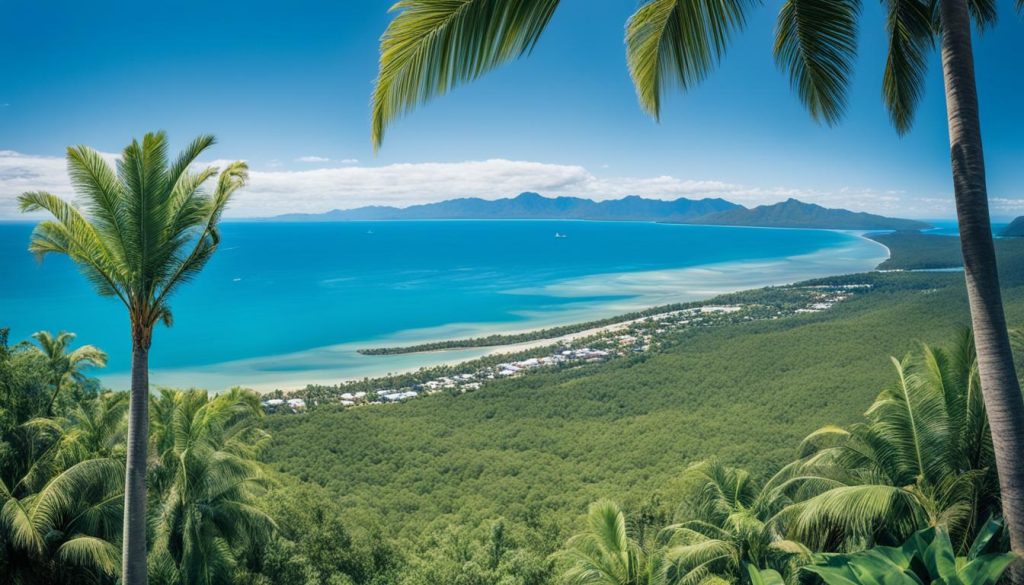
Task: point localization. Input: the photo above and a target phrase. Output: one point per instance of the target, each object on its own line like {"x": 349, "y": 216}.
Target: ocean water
{"x": 949, "y": 227}
{"x": 284, "y": 304}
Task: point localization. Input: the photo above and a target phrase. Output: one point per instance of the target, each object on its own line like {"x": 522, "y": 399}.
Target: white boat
{"x": 560, "y": 235}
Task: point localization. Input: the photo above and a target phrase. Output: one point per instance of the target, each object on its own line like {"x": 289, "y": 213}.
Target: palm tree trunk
{"x": 56, "y": 391}
{"x": 999, "y": 384}
{"x": 133, "y": 555}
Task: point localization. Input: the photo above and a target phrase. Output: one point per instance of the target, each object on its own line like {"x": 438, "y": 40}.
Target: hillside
{"x": 912, "y": 250}
{"x": 797, "y": 214}
{"x": 791, "y": 213}
{"x": 1015, "y": 229}
{"x": 537, "y": 450}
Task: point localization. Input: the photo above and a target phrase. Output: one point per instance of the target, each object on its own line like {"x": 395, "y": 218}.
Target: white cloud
{"x": 273, "y": 191}
{"x": 311, "y": 159}
{"x": 349, "y": 161}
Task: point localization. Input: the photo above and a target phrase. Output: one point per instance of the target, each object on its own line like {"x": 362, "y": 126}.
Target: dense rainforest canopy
{"x": 511, "y": 484}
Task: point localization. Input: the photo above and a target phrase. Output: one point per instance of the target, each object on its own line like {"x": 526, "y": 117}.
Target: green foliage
{"x": 205, "y": 484}
{"x": 494, "y": 552}
{"x": 66, "y": 366}
{"x": 24, "y": 387}
{"x": 60, "y": 486}
{"x": 923, "y": 457}
{"x": 312, "y": 544}
{"x": 433, "y": 45}
{"x": 61, "y": 528}
{"x": 927, "y": 557}
{"x": 607, "y": 554}
{"x": 537, "y": 450}
{"x": 215, "y": 515}
{"x": 816, "y": 42}
{"x": 909, "y": 24}
{"x": 678, "y": 42}
{"x": 727, "y": 526}
{"x": 147, "y": 228}
{"x": 556, "y": 440}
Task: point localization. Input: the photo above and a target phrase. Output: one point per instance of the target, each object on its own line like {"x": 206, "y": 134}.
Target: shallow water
{"x": 283, "y": 304}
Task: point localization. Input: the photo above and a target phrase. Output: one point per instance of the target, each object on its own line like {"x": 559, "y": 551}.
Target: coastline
{"x": 332, "y": 364}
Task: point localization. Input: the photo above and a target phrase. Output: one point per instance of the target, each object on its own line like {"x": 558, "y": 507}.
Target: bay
{"x": 284, "y": 304}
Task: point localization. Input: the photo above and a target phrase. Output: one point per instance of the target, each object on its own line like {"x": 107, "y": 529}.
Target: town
{"x": 610, "y": 342}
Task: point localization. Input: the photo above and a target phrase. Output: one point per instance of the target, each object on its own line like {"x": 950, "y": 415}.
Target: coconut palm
{"x": 147, "y": 228}
{"x": 433, "y": 45}
{"x": 63, "y": 528}
{"x": 66, "y": 367}
{"x": 206, "y": 483}
{"x": 606, "y": 554}
{"x": 95, "y": 428}
{"x": 727, "y": 527}
{"x": 923, "y": 458}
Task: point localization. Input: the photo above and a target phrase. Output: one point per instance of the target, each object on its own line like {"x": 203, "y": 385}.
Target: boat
{"x": 560, "y": 235}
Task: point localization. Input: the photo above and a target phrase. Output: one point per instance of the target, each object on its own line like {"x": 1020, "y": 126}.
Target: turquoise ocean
{"x": 285, "y": 304}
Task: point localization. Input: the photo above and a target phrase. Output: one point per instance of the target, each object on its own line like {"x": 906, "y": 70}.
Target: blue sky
{"x": 286, "y": 87}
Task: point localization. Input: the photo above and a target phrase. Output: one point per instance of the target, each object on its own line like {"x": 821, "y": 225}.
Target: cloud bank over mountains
{"x": 348, "y": 185}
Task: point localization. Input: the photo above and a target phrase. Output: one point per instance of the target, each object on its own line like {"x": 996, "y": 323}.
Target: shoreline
{"x": 638, "y": 291}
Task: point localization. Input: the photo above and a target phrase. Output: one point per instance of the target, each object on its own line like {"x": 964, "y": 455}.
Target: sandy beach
{"x": 636, "y": 290}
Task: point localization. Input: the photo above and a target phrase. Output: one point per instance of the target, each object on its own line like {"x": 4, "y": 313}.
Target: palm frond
{"x": 816, "y": 42}
{"x": 71, "y": 234}
{"x": 432, "y": 46}
{"x": 105, "y": 197}
{"x": 21, "y": 530}
{"x": 91, "y": 552}
{"x": 88, "y": 355}
{"x": 142, "y": 169}
{"x": 63, "y": 492}
{"x": 856, "y": 511}
{"x": 678, "y": 42}
{"x": 984, "y": 13}
{"x": 187, "y": 157}
{"x": 911, "y": 38}
{"x": 181, "y": 270}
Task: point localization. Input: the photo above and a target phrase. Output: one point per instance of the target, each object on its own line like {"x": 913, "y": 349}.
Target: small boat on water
{"x": 560, "y": 235}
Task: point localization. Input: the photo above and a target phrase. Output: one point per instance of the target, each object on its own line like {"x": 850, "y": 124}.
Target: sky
{"x": 285, "y": 86}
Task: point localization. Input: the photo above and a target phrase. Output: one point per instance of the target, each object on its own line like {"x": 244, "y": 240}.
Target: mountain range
{"x": 708, "y": 211}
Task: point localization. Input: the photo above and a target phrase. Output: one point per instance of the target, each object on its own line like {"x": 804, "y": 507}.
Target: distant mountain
{"x": 797, "y": 214}
{"x": 1015, "y": 229}
{"x": 533, "y": 206}
{"x": 791, "y": 213}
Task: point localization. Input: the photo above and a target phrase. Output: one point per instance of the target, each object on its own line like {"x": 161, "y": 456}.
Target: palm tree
{"x": 59, "y": 520}
{"x": 433, "y": 45}
{"x": 205, "y": 484}
{"x": 95, "y": 428}
{"x": 606, "y": 554}
{"x": 148, "y": 227}
{"x": 66, "y": 367}
{"x": 923, "y": 458}
{"x": 727, "y": 527}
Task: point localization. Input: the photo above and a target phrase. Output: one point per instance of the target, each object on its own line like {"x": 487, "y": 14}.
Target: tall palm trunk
{"x": 53, "y": 398}
{"x": 133, "y": 559}
{"x": 999, "y": 384}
